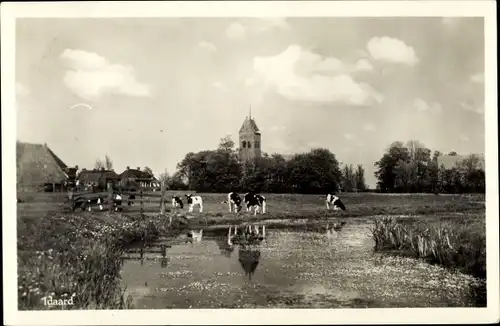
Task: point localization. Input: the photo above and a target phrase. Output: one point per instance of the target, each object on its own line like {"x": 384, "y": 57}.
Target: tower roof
{"x": 249, "y": 125}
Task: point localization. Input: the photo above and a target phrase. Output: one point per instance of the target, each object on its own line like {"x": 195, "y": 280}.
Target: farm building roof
{"x": 249, "y": 125}
{"x": 137, "y": 174}
{"x": 97, "y": 175}
{"x": 37, "y": 164}
{"x": 450, "y": 161}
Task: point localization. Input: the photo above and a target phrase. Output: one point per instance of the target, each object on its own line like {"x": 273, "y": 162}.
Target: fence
{"x": 149, "y": 202}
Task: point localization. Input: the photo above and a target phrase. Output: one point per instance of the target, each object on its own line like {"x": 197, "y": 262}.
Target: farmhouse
{"x": 38, "y": 167}
{"x": 450, "y": 161}
{"x": 97, "y": 178}
{"x": 137, "y": 178}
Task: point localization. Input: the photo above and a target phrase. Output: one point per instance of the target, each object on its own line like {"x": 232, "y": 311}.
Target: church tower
{"x": 249, "y": 140}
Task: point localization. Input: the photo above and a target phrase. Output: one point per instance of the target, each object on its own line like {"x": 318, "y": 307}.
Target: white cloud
{"x": 236, "y": 31}
{"x": 207, "y": 46}
{"x": 479, "y": 109}
{"x": 363, "y": 65}
{"x": 464, "y": 137}
{"x": 348, "y": 136}
{"x": 299, "y": 74}
{"x": 423, "y": 106}
{"x": 477, "y": 78}
{"x": 368, "y": 127}
{"x": 241, "y": 29}
{"x": 392, "y": 50}
{"x": 90, "y": 76}
{"x": 21, "y": 90}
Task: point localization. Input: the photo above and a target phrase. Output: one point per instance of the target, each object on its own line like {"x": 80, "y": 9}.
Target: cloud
{"x": 423, "y": 106}
{"x": 479, "y": 109}
{"x": 90, "y": 76}
{"x": 299, "y": 74}
{"x": 21, "y": 90}
{"x": 207, "y": 46}
{"x": 363, "y": 65}
{"x": 241, "y": 29}
{"x": 477, "y": 78}
{"x": 368, "y": 127}
{"x": 348, "y": 136}
{"x": 393, "y": 50}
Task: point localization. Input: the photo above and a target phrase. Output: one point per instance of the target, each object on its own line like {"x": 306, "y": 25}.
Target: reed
{"x": 459, "y": 244}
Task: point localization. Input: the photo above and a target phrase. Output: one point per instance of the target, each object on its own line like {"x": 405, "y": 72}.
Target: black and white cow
{"x": 256, "y": 202}
{"x": 117, "y": 201}
{"x": 177, "y": 202}
{"x": 234, "y": 200}
{"x": 335, "y": 201}
{"x": 95, "y": 201}
{"x": 194, "y": 201}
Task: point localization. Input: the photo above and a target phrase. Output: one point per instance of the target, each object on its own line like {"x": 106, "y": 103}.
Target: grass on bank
{"x": 79, "y": 256}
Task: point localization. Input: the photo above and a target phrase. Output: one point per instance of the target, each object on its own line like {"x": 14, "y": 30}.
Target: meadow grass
{"x": 64, "y": 254}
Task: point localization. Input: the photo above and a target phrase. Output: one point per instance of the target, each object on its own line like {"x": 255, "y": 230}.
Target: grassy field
{"x": 61, "y": 253}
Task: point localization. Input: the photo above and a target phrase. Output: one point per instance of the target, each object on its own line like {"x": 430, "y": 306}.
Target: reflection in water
{"x": 249, "y": 258}
{"x": 164, "y": 262}
{"x": 248, "y": 239}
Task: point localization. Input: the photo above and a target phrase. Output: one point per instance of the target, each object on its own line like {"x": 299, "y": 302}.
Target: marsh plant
{"x": 78, "y": 257}
{"x": 457, "y": 244}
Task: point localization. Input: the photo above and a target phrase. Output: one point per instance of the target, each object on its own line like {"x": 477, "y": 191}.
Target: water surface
{"x": 290, "y": 269}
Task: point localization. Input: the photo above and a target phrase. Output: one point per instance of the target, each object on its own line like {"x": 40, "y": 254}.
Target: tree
{"x": 147, "y": 170}
{"x": 348, "y": 178}
{"x": 226, "y": 144}
{"x": 359, "y": 177}
{"x": 314, "y": 172}
{"x": 386, "y": 172}
{"x": 108, "y": 164}
{"x": 164, "y": 179}
{"x": 99, "y": 164}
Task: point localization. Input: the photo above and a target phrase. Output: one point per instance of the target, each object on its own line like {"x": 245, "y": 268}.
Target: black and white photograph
{"x": 271, "y": 162}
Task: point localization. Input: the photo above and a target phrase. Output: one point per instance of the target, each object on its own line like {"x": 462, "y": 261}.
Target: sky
{"x": 147, "y": 91}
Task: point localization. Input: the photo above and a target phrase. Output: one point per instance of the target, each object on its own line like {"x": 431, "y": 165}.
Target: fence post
{"x": 110, "y": 196}
{"x": 142, "y": 204}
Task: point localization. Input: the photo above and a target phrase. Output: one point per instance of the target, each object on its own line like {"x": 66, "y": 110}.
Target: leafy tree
{"x": 148, "y": 170}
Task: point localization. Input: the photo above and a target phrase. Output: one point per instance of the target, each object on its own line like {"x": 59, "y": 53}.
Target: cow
{"x": 131, "y": 199}
{"x": 95, "y": 201}
{"x": 233, "y": 200}
{"x": 255, "y": 201}
{"x": 194, "y": 201}
{"x": 177, "y": 202}
{"x": 117, "y": 201}
{"x": 335, "y": 201}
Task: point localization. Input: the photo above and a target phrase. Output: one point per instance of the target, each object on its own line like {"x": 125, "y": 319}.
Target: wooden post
{"x": 142, "y": 204}
{"x": 110, "y": 196}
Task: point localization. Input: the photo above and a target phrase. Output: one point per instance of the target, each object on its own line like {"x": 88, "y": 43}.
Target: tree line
{"x": 220, "y": 170}
{"x": 412, "y": 167}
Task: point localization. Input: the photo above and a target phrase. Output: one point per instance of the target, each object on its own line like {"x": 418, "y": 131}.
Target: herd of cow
{"x": 250, "y": 201}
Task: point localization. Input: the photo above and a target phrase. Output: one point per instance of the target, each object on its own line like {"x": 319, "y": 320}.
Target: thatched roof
{"x": 249, "y": 126}
{"x": 450, "y": 161}
{"x": 38, "y": 165}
